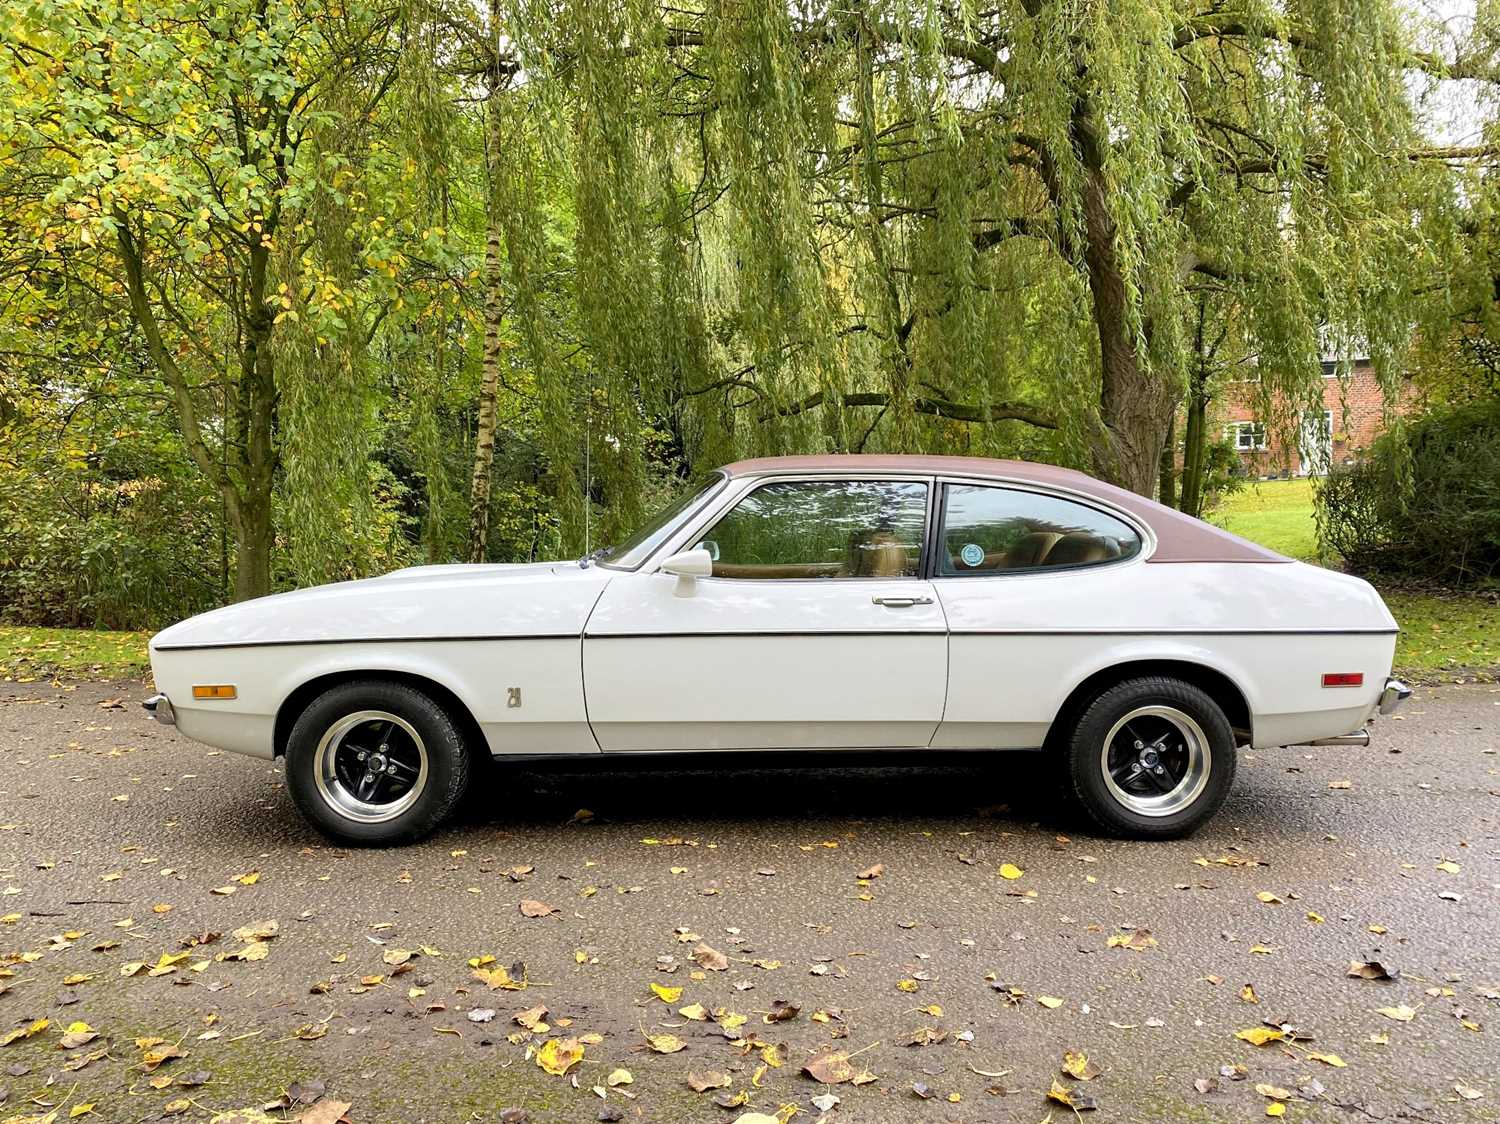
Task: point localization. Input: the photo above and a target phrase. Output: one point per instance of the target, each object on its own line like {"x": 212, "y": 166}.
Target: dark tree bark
{"x": 1195, "y": 437}
{"x": 1135, "y": 405}
{"x": 1166, "y": 488}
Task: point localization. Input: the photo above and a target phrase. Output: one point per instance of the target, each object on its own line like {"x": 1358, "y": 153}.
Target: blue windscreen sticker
{"x": 972, "y": 554}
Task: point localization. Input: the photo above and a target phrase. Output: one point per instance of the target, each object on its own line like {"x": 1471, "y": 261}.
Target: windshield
{"x": 638, "y": 547}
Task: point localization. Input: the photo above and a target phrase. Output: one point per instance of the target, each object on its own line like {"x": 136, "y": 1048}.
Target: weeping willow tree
{"x": 890, "y": 225}
{"x": 621, "y": 240}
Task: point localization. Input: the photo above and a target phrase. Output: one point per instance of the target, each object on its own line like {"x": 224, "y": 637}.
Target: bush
{"x": 1445, "y": 526}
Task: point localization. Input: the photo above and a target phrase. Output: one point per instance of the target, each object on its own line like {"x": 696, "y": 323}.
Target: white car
{"x": 833, "y": 602}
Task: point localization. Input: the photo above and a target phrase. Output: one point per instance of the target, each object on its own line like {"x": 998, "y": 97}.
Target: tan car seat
{"x": 878, "y": 554}
{"x": 1078, "y": 548}
{"x": 1031, "y": 550}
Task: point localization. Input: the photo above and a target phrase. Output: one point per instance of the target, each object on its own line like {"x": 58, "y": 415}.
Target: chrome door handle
{"x": 901, "y": 602}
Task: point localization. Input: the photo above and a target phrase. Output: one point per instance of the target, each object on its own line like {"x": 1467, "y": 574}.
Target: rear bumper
{"x": 160, "y": 708}
{"x": 1392, "y": 696}
{"x": 1395, "y": 693}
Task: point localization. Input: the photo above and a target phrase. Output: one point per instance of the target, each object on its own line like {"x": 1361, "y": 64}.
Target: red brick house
{"x": 1352, "y": 417}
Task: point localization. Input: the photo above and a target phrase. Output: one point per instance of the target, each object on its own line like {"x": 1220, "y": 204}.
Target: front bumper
{"x": 160, "y": 708}
{"x": 1395, "y": 693}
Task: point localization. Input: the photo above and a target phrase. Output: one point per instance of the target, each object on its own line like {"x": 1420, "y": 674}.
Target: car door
{"x": 814, "y": 629}
{"x": 1027, "y": 580}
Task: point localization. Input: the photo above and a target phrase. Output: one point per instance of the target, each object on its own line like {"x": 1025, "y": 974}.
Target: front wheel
{"x": 374, "y": 763}
{"x": 1151, "y": 758}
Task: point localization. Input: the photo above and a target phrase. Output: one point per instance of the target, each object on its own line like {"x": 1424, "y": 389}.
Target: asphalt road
{"x": 106, "y": 817}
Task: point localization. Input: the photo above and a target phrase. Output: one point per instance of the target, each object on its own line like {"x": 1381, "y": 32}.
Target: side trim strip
{"x": 1176, "y": 632}
{"x": 732, "y": 633}
{"x": 357, "y": 640}
{"x": 1004, "y": 632}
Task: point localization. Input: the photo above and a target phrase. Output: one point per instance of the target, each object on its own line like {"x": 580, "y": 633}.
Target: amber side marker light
{"x": 1344, "y": 679}
{"x": 214, "y": 691}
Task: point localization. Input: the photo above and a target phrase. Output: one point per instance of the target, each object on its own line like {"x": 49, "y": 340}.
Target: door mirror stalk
{"x": 689, "y": 566}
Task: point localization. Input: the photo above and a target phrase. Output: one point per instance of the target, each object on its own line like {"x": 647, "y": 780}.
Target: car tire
{"x": 1150, "y": 758}
{"x": 376, "y": 763}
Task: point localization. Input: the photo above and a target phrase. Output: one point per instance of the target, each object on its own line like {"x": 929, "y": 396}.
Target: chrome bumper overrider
{"x": 160, "y": 708}
{"x": 1395, "y": 693}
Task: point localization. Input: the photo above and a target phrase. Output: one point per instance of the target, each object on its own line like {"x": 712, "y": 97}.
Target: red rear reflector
{"x": 1344, "y": 679}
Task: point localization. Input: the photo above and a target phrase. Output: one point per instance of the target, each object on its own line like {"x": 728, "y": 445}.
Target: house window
{"x": 1247, "y": 435}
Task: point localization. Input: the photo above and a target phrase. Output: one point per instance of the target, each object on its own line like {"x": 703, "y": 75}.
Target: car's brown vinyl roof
{"x": 1179, "y": 537}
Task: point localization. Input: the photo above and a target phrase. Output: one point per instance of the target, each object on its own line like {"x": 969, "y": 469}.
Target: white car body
{"x": 570, "y": 659}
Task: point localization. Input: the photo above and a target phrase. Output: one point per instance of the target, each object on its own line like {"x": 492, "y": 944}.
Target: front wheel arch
{"x": 295, "y": 703}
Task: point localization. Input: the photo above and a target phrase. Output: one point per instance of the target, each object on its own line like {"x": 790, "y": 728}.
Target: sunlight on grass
{"x": 1445, "y": 633}
{"x": 1274, "y": 513}
{"x": 80, "y": 653}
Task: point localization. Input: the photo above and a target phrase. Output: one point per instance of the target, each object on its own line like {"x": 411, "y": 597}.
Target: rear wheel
{"x": 375, "y": 763}
{"x": 1151, "y": 758}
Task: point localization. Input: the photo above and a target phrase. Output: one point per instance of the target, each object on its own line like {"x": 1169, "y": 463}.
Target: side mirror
{"x": 689, "y": 566}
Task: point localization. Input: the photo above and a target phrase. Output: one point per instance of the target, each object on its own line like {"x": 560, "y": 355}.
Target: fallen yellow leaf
{"x": 1328, "y": 1059}
{"x": 1260, "y": 1035}
{"x": 558, "y": 1055}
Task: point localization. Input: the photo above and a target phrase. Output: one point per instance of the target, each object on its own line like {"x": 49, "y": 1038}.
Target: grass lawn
{"x": 1442, "y": 634}
{"x": 1274, "y": 513}
{"x": 1446, "y": 634}
{"x": 79, "y": 653}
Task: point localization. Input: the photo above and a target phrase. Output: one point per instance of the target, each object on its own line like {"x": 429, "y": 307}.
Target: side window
{"x": 822, "y": 529}
{"x": 995, "y": 530}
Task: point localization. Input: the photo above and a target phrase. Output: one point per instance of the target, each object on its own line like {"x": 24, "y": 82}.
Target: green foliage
{"x": 259, "y": 230}
{"x": 1447, "y": 529}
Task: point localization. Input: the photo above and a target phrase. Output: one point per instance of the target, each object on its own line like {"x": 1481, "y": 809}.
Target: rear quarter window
{"x": 994, "y": 530}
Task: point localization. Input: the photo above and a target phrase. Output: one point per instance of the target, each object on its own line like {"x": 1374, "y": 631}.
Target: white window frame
{"x": 1237, "y": 431}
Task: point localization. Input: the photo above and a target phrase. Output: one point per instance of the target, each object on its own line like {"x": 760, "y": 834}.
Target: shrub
{"x": 1445, "y": 525}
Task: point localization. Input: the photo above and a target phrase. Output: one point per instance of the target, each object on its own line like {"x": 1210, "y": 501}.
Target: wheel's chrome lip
{"x": 339, "y": 798}
{"x": 1199, "y": 765}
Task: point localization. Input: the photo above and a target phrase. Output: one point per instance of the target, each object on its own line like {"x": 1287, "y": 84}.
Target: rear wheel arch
{"x": 1214, "y": 683}
{"x": 457, "y": 710}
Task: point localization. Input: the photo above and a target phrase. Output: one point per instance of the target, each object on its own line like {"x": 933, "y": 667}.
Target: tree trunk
{"x": 1133, "y": 404}
{"x": 494, "y": 312}
{"x": 247, "y": 447}
{"x": 252, "y": 548}
{"x": 1195, "y": 442}
{"x": 256, "y": 407}
{"x": 1167, "y": 467}
{"x": 254, "y": 535}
